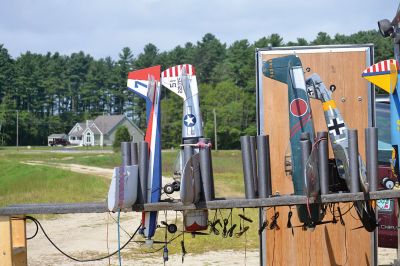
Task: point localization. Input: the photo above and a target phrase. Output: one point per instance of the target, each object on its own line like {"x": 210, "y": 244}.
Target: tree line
{"x": 51, "y": 92}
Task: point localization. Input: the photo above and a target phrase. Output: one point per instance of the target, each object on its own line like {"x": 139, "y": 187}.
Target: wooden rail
{"x": 284, "y": 200}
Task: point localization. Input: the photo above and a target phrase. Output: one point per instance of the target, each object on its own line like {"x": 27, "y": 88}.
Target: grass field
{"x": 21, "y": 183}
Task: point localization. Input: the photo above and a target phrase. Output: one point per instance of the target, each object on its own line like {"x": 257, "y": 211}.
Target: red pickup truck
{"x": 57, "y": 141}
{"x": 387, "y": 208}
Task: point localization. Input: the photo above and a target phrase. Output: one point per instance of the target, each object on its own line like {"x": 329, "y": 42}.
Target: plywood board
{"x": 5, "y": 241}
{"x": 329, "y": 244}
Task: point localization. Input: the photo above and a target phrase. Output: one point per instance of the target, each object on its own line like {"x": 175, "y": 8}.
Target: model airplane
{"x": 146, "y": 83}
{"x": 182, "y": 81}
{"x": 385, "y": 75}
{"x": 289, "y": 70}
{"x": 338, "y": 135}
{"x": 386, "y": 78}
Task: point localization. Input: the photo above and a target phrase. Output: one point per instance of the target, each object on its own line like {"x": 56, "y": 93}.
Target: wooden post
{"x": 19, "y": 241}
{"x": 13, "y": 249}
{"x": 5, "y": 241}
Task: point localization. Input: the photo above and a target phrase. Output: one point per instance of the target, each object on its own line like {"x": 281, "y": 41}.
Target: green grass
{"x": 20, "y": 183}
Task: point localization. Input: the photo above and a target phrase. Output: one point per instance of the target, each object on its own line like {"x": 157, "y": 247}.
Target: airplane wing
{"x": 383, "y": 74}
{"x": 173, "y": 78}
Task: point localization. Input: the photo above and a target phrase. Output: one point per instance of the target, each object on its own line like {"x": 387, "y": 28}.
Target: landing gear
{"x": 171, "y": 188}
{"x": 168, "y": 189}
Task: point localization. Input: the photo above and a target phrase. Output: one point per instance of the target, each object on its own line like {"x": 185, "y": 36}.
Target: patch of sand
{"x": 78, "y": 168}
{"x": 85, "y": 236}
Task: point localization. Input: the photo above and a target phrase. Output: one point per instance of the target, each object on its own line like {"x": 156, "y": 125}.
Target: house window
{"x": 80, "y": 138}
{"x": 72, "y": 138}
{"x": 88, "y": 137}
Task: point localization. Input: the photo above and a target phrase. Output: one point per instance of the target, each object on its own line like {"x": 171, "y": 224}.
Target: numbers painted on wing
{"x": 180, "y": 85}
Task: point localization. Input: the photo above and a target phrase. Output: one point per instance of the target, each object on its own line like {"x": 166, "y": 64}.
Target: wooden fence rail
{"x": 284, "y": 200}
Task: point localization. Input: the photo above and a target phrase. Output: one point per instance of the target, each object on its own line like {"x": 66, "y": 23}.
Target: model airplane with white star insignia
{"x": 181, "y": 80}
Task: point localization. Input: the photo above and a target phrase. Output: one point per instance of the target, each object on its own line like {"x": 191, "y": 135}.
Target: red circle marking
{"x": 298, "y": 107}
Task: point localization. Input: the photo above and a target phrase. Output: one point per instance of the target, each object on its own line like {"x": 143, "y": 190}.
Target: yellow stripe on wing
{"x": 329, "y": 105}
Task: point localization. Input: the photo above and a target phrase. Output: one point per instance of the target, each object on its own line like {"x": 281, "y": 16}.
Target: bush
{"x": 121, "y": 135}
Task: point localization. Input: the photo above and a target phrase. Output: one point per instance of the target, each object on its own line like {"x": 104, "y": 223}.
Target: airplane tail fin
{"x": 138, "y": 80}
{"x": 277, "y": 68}
{"x": 383, "y": 74}
{"x": 174, "y": 78}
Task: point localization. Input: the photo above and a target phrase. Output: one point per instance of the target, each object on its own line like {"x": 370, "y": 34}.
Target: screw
{"x": 359, "y": 98}
{"x": 343, "y": 99}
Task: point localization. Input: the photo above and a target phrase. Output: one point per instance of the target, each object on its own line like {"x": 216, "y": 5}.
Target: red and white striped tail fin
{"x": 176, "y": 71}
{"x": 380, "y": 68}
{"x": 172, "y": 79}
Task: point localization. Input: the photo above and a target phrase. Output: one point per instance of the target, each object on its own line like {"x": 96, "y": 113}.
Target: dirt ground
{"x": 98, "y": 171}
{"x": 85, "y": 235}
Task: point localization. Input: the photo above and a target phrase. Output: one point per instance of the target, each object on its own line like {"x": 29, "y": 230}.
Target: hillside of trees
{"x": 52, "y": 91}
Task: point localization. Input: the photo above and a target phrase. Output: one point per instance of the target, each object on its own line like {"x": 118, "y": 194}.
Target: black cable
{"x": 33, "y": 236}
{"x": 345, "y": 245}
{"x": 157, "y": 250}
{"x": 75, "y": 259}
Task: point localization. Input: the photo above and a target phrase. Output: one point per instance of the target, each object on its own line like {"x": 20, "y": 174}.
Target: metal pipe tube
{"x": 371, "y": 148}
{"x": 126, "y": 153}
{"x": 269, "y": 176}
{"x": 305, "y": 145}
{"x": 253, "y": 150}
{"x": 143, "y": 172}
{"x": 134, "y": 153}
{"x": 323, "y": 168}
{"x": 247, "y": 167}
{"x": 353, "y": 161}
{"x": 188, "y": 151}
{"x": 206, "y": 170}
{"x": 264, "y": 167}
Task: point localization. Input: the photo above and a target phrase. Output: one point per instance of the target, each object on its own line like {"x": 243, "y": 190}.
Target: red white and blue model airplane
{"x": 146, "y": 84}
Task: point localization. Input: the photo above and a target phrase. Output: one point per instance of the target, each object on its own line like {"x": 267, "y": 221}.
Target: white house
{"x": 101, "y": 131}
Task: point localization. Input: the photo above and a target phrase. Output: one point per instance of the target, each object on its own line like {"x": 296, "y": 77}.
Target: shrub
{"x": 121, "y": 135}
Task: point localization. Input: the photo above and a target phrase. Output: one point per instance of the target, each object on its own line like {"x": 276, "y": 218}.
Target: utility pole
{"x": 17, "y": 130}
{"x": 215, "y": 130}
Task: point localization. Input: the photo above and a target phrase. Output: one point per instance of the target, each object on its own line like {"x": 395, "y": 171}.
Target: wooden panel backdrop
{"x": 329, "y": 244}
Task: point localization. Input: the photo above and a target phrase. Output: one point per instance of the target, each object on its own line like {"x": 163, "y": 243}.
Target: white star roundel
{"x": 189, "y": 120}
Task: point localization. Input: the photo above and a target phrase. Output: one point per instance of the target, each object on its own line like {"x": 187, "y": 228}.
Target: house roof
{"x": 57, "y": 136}
{"x": 79, "y": 132}
{"x": 102, "y": 124}
{"x": 105, "y": 123}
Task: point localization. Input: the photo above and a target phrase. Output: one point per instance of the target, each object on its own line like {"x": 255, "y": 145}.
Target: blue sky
{"x": 103, "y": 27}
